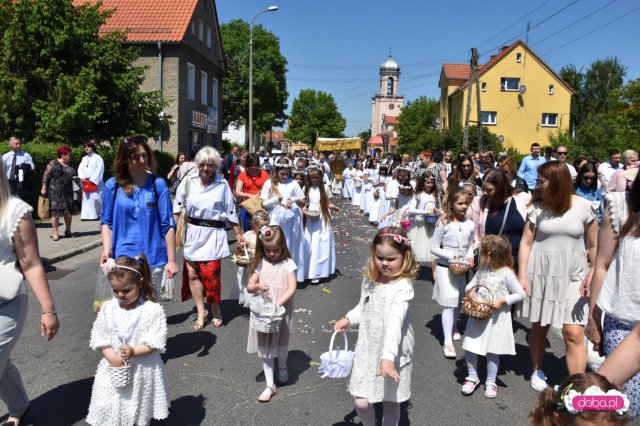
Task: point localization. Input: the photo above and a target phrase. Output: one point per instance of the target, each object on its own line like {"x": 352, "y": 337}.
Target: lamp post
{"x": 269, "y": 9}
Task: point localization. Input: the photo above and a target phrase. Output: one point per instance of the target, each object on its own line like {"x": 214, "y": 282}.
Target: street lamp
{"x": 269, "y": 9}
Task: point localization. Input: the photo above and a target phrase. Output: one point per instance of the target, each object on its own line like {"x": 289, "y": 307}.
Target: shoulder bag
{"x": 253, "y": 203}
{"x": 181, "y": 231}
{"x": 11, "y": 281}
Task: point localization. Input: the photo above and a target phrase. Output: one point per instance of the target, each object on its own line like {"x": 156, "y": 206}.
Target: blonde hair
{"x": 136, "y": 270}
{"x": 260, "y": 216}
{"x": 276, "y": 235}
{"x": 495, "y": 252}
{"x": 5, "y": 193}
{"x": 409, "y": 267}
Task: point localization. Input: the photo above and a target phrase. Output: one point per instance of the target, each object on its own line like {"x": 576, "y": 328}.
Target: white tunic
{"x": 213, "y": 202}
{"x": 290, "y": 220}
{"x": 319, "y": 245}
{"x": 347, "y": 182}
{"x": 494, "y": 335}
{"x": 147, "y": 396}
{"x": 92, "y": 168}
{"x": 358, "y": 188}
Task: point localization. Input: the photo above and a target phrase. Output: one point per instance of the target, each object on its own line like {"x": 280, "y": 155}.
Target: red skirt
{"x": 209, "y": 275}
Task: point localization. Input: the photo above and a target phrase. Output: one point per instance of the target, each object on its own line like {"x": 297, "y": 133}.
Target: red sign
{"x": 198, "y": 120}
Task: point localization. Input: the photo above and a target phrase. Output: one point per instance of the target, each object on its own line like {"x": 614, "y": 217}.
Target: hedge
{"x": 43, "y": 153}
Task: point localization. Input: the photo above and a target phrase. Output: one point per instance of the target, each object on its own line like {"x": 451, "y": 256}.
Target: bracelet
{"x": 50, "y": 312}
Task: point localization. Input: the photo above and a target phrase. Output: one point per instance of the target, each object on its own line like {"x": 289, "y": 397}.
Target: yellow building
{"x": 522, "y": 99}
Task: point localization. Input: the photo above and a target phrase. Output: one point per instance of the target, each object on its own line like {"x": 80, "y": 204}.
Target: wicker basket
{"x": 314, "y": 212}
{"x": 478, "y": 309}
{"x": 120, "y": 376}
{"x": 458, "y": 267}
{"x": 241, "y": 257}
{"x": 268, "y": 322}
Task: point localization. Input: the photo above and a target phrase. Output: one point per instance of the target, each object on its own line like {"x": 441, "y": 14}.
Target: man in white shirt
{"x": 91, "y": 172}
{"x": 19, "y": 168}
{"x": 561, "y": 153}
{"x": 606, "y": 170}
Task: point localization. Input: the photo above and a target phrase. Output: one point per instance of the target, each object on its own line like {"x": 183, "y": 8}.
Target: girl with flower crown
{"x": 283, "y": 198}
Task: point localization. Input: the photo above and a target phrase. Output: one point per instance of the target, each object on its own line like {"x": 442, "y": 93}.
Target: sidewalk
{"x": 86, "y": 236}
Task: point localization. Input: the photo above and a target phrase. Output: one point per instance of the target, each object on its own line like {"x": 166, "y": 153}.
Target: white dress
{"x": 384, "y": 332}
{"x": 290, "y": 220}
{"x": 214, "y": 202}
{"x": 147, "y": 396}
{"x": 319, "y": 245}
{"x": 376, "y": 205}
{"x": 495, "y": 334}
{"x": 356, "y": 195}
{"x": 92, "y": 168}
{"x": 365, "y": 200}
{"x": 421, "y": 232}
{"x": 240, "y": 292}
{"x": 451, "y": 240}
{"x": 347, "y": 182}
{"x": 402, "y": 210}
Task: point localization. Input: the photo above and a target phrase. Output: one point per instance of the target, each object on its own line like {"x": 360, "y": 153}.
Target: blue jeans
{"x": 245, "y": 219}
{"x": 13, "y": 314}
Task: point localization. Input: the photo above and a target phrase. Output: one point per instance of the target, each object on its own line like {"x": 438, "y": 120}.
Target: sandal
{"x": 470, "y": 385}
{"x": 217, "y": 322}
{"x": 267, "y": 394}
{"x": 449, "y": 351}
{"x": 490, "y": 390}
{"x": 55, "y": 238}
{"x": 200, "y": 325}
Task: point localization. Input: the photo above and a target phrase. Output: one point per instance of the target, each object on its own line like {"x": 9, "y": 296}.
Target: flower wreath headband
{"x": 575, "y": 407}
{"x": 287, "y": 163}
{"x": 265, "y": 231}
{"x": 110, "y": 265}
{"x": 398, "y": 239}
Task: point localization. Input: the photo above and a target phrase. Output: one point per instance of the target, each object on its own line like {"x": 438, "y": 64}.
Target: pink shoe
{"x": 490, "y": 390}
{"x": 470, "y": 385}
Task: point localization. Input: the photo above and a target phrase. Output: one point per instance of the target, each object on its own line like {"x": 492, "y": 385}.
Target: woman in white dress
{"x": 425, "y": 202}
{"x": 210, "y": 206}
{"x": 283, "y": 198}
{"x": 347, "y": 181}
{"x": 319, "y": 245}
{"x": 91, "y": 171}
{"x": 358, "y": 185}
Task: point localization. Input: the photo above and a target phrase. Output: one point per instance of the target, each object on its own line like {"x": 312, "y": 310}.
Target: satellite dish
{"x": 522, "y": 89}
{"x": 500, "y": 138}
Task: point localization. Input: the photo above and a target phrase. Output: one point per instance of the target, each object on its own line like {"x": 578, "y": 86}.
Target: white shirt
{"x": 92, "y": 168}
{"x": 572, "y": 170}
{"x": 607, "y": 171}
{"x": 22, "y": 157}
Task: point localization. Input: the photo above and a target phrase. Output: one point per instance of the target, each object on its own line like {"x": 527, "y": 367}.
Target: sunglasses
{"x": 128, "y": 141}
{"x": 561, "y": 152}
{"x": 588, "y": 177}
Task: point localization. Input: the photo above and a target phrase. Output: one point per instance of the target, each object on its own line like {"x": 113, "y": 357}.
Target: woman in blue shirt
{"x": 586, "y": 186}
{"x": 137, "y": 212}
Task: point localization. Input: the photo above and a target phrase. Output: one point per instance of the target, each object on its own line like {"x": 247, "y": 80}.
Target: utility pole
{"x": 473, "y": 78}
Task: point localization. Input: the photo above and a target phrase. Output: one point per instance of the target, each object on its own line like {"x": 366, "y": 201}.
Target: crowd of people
{"x": 550, "y": 241}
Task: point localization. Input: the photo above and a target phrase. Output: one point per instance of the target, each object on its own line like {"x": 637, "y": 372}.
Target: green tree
{"x": 601, "y": 82}
{"x": 62, "y": 81}
{"x": 416, "y": 126}
{"x": 314, "y": 114}
{"x": 452, "y": 139}
{"x": 365, "y": 135}
{"x": 575, "y": 78}
{"x": 269, "y": 76}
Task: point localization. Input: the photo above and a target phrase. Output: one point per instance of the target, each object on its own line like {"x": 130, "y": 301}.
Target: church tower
{"x": 387, "y": 103}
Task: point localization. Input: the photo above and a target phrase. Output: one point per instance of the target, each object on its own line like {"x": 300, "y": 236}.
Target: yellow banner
{"x": 348, "y": 144}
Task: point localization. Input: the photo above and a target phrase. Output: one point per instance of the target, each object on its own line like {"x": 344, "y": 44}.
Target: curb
{"x": 66, "y": 254}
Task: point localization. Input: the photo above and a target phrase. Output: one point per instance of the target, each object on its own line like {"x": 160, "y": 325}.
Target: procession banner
{"x": 338, "y": 144}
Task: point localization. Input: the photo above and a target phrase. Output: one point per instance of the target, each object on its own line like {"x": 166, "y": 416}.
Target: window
{"x": 509, "y": 84}
{"x": 549, "y": 120}
{"x": 551, "y": 89}
{"x": 208, "y": 36}
{"x": 204, "y": 90}
{"x": 193, "y": 28}
{"x": 484, "y": 87}
{"x": 489, "y": 117}
{"x": 200, "y": 30}
{"x": 191, "y": 81}
{"x": 214, "y": 93}
{"x": 518, "y": 57}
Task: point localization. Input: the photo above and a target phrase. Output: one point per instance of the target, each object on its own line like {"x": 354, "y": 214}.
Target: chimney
{"x": 503, "y": 48}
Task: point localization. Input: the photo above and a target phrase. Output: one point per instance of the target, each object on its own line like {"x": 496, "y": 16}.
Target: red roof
{"x": 456, "y": 71}
{"x": 391, "y": 120}
{"x": 148, "y": 20}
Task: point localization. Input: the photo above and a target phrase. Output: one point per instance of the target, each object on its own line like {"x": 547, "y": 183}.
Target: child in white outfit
{"x": 493, "y": 336}
{"x": 131, "y": 329}
{"x": 259, "y": 219}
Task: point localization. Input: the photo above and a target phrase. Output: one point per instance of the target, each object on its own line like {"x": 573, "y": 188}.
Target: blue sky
{"x": 338, "y": 46}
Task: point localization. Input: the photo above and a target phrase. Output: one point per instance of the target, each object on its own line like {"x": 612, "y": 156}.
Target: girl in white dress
{"x": 347, "y": 181}
{"x": 452, "y": 239}
{"x": 493, "y": 336}
{"x": 131, "y": 329}
{"x": 259, "y": 219}
{"x": 402, "y": 193}
{"x": 319, "y": 245}
{"x": 368, "y": 176}
{"x": 273, "y": 271}
{"x": 382, "y": 363}
{"x": 358, "y": 185}
{"x": 379, "y": 204}
{"x": 424, "y": 202}
{"x": 283, "y": 198}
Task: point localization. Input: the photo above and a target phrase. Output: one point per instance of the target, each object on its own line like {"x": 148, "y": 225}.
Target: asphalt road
{"x": 212, "y": 378}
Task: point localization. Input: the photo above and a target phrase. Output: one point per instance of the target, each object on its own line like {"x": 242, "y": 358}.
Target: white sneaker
{"x": 449, "y": 351}
{"x": 456, "y": 336}
{"x": 538, "y": 381}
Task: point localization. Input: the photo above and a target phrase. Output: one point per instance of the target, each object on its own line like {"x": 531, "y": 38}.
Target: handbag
{"x": 11, "y": 281}
{"x": 88, "y": 186}
{"x": 336, "y": 364}
{"x": 252, "y": 204}
{"x": 181, "y": 231}
{"x": 44, "y": 212}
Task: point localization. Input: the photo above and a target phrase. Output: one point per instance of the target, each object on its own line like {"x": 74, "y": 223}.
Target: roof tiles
{"x": 148, "y": 20}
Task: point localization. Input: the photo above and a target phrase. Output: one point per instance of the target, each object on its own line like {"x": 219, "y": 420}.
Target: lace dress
{"x": 58, "y": 181}
{"x": 147, "y": 396}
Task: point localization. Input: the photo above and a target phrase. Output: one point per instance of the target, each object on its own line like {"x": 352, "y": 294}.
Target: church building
{"x": 386, "y": 106}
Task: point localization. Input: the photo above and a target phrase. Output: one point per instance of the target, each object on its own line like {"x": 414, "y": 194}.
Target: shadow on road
{"x": 187, "y": 410}
{"x": 64, "y": 405}
{"x": 180, "y": 345}
{"x": 298, "y": 363}
{"x": 350, "y": 419}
